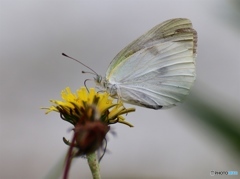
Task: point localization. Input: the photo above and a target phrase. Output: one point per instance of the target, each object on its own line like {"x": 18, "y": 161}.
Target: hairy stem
{"x": 94, "y": 165}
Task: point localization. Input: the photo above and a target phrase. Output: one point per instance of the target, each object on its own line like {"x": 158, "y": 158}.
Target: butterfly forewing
{"x": 166, "y": 31}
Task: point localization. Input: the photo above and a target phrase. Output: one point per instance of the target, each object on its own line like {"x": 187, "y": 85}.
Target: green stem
{"x": 94, "y": 165}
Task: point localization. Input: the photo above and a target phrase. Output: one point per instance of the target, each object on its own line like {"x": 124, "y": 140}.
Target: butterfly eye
{"x": 98, "y": 79}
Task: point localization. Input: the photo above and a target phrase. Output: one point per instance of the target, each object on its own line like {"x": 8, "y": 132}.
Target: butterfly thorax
{"x": 104, "y": 85}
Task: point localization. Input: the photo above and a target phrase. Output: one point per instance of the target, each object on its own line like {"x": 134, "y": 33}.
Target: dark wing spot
{"x": 153, "y": 50}
{"x": 139, "y": 103}
{"x": 152, "y": 106}
{"x": 162, "y": 71}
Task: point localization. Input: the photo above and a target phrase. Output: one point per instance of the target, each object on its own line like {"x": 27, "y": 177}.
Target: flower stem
{"x": 94, "y": 165}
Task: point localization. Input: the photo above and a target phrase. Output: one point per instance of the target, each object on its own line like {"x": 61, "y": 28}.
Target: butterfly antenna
{"x": 89, "y": 72}
{"x": 95, "y": 73}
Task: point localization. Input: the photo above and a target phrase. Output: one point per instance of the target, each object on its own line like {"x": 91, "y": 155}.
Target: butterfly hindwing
{"x": 158, "y": 69}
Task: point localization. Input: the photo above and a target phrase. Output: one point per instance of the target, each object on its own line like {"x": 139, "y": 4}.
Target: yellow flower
{"x": 90, "y": 113}
{"x": 92, "y": 104}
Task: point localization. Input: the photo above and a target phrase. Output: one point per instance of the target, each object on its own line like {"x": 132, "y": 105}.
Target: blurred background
{"x": 188, "y": 141}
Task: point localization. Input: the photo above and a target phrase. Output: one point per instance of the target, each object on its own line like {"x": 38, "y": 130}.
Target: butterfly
{"x": 156, "y": 70}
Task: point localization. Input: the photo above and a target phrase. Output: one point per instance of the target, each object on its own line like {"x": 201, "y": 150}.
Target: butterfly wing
{"x": 158, "y": 69}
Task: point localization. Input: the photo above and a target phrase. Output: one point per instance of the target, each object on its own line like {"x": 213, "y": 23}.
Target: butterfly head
{"x": 98, "y": 79}
{"x": 104, "y": 85}
{"x": 101, "y": 82}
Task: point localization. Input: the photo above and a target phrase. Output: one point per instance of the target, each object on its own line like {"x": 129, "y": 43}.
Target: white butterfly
{"x": 156, "y": 70}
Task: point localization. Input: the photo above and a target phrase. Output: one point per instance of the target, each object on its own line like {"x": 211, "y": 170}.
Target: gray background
{"x": 164, "y": 143}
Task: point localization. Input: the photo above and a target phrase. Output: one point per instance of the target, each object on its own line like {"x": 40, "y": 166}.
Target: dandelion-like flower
{"x": 73, "y": 107}
{"x": 91, "y": 113}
